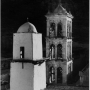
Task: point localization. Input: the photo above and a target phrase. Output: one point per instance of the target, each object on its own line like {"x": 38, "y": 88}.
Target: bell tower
{"x": 59, "y": 46}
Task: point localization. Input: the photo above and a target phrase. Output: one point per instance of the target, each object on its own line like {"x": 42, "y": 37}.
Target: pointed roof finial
{"x": 59, "y": 1}
{"x": 27, "y": 19}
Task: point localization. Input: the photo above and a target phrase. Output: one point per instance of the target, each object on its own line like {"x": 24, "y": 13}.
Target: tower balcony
{"x": 61, "y": 59}
{"x": 62, "y": 37}
{"x": 57, "y": 59}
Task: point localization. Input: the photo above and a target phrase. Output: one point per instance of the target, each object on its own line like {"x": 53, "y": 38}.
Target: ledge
{"x": 29, "y": 61}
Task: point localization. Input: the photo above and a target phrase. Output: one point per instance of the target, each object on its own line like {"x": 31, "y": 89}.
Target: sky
{"x": 14, "y": 13}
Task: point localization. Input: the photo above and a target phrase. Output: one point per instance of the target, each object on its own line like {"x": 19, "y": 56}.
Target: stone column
{"x": 47, "y": 48}
{"x": 64, "y": 27}
{"x": 55, "y": 74}
{"x": 47, "y": 74}
{"x": 64, "y": 50}
{"x": 71, "y": 48}
{"x": 56, "y": 29}
{"x": 47, "y": 33}
{"x": 72, "y": 66}
{"x": 56, "y": 51}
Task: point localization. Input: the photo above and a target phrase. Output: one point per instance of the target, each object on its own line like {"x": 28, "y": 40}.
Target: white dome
{"x": 27, "y": 28}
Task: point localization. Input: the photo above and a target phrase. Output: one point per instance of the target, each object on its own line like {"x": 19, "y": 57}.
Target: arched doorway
{"x": 59, "y": 30}
{"x": 59, "y": 51}
{"x": 52, "y": 30}
{"x": 59, "y": 75}
{"x": 52, "y": 51}
{"x": 51, "y": 75}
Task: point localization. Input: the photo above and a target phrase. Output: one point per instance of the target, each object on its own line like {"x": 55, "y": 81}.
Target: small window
{"x": 21, "y": 52}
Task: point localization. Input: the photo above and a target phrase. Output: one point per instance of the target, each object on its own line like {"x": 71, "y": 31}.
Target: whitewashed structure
{"x": 28, "y": 71}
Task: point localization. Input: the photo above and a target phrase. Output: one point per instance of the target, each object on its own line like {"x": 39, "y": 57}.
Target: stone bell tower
{"x": 27, "y": 70}
{"x": 59, "y": 45}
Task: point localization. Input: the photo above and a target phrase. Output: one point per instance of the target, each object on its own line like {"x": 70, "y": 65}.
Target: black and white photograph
{"x": 44, "y": 45}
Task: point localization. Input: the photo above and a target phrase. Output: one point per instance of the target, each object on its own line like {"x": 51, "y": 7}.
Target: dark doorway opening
{"x": 59, "y": 30}
{"x": 21, "y": 52}
{"x": 59, "y": 75}
{"x": 52, "y": 75}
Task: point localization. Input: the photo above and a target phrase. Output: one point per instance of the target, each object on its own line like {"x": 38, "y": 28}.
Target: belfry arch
{"x": 59, "y": 75}
{"x": 59, "y": 29}
{"x": 59, "y": 51}
{"x": 52, "y": 51}
{"x": 52, "y": 30}
{"x": 51, "y": 74}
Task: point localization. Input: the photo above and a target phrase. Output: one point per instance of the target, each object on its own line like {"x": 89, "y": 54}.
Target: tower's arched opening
{"x": 59, "y": 75}
{"x": 52, "y": 75}
{"x": 59, "y": 30}
{"x": 59, "y": 51}
{"x": 52, "y": 51}
{"x": 52, "y": 30}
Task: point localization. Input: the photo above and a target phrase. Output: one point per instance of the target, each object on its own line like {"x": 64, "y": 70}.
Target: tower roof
{"x": 60, "y": 11}
{"x": 27, "y": 28}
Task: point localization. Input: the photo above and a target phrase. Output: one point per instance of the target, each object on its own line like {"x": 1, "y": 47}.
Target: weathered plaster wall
{"x": 21, "y": 78}
{"x": 40, "y": 76}
{"x": 25, "y": 40}
{"x": 37, "y": 46}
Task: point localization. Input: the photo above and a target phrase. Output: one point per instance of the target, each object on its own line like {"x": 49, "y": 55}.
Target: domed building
{"x": 27, "y": 28}
{"x": 25, "y": 73}
{"x": 25, "y": 41}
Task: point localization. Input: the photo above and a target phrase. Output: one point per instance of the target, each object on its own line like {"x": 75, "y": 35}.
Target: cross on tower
{"x": 59, "y": 1}
{"x": 27, "y": 19}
